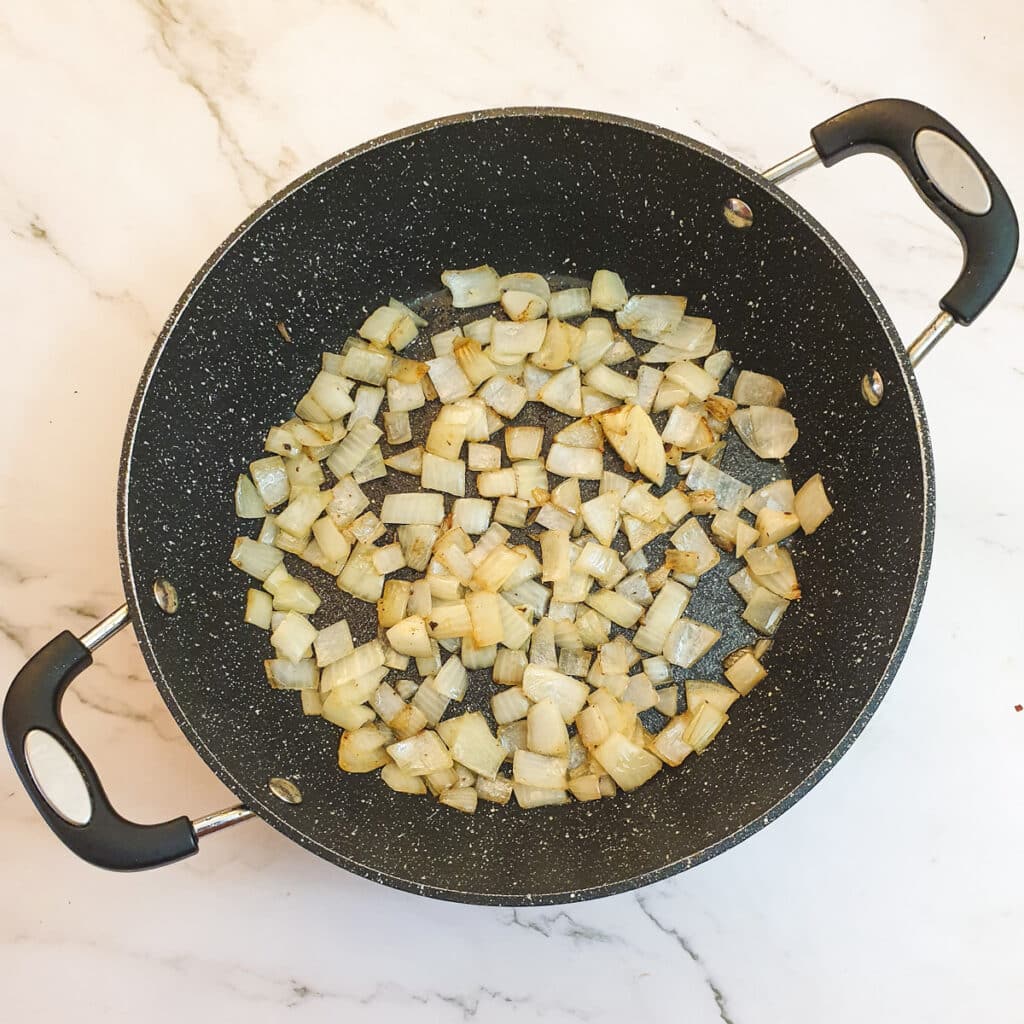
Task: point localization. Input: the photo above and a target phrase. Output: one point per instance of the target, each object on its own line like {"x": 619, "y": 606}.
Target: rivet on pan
{"x": 286, "y": 790}
{"x": 737, "y": 213}
{"x": 166, "y": 596}
{"x": 872, "y": 388}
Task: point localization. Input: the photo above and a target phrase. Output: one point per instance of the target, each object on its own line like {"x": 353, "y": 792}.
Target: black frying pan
{"x": 560, "y": 192}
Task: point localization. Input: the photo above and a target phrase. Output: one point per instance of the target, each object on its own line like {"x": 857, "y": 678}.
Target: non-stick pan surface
{"x": 560, "y": 192}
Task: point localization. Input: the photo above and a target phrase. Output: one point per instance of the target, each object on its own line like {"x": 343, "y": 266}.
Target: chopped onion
{"x": 258, "y": 608}
{"x": 716, "y": 694}
{"x": 777, "y": 495}
{"x": 522, "y": 305}
{"x": 510, "y": 705}
{"x": 570, "y": 303}
{"x": 691, "y": 537}
{"x": 562, "y": 392}
{"x": 811, "y": 504}
{"x": 730, "y": 493}
{"x": 698, "y": 382}
{"x": 768, "y": 432}
{"x": 704, "y": 726}
{"x": 248, "y": 503}
{"x": 538, "y": 771}
{"x": 528, "y": 282}
{"x": 757, "y": 389}
{"x": 764, "y": 610}
{"x": 596, "y": 341}
{"x": 412, "y": 509}
{"x": 774, "y": 526}
{"x": 607, "y": 291}
{"x": 475, "y": 287}
{"x": 649, "y": 316}
{"x": 626, "y": 762}
{"x": 688, "y": 641}
{"x": 258, "y": 560}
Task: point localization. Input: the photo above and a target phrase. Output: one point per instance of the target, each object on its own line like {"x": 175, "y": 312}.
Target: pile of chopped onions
{"x": 494, "y": 558}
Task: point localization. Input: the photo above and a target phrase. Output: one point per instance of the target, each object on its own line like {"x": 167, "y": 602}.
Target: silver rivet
{"x": 872, "y": 388}
{"x": 166, "y": 596}
{"x": 737, "y": 213}
{"x": 286, "y": 790}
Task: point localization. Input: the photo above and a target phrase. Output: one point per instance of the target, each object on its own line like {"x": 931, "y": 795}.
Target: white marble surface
{"x": 136, "y": 134}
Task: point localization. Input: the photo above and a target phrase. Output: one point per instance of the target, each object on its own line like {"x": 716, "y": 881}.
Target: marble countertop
{"x": 137, "y": 133}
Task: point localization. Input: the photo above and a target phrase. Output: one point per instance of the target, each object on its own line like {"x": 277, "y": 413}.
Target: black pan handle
{"x": 950, "y": 175}
{"x": 86, "y": 823}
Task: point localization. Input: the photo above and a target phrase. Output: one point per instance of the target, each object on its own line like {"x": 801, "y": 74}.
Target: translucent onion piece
{"x": 718, "y": 364}
{"x": 649, "y": 316}
{"x": 717, "y": 695}
{"x": 626, "y": 762}
{"x": 412, "y": 508}
{"x": 420, "y": 754}
{"x": 688, "y": 641}
{"x": 527, "y": 282}
{"x": 777, "y": 495}
{"x": 691, "y": 537}
{"x": 757, "y": 389}
{"x": 730, "y": 493}
{"x": 768, "y": 432}
{"x": 811, "y": 504}
{"x": 764, "y": 610}
{"x": 570, "y": 303}
{"x": 607, "y": 291}
{"x": 475, "y": 287}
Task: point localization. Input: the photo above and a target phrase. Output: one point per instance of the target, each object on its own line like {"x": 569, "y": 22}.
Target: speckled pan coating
{"x": 562, "y": 192}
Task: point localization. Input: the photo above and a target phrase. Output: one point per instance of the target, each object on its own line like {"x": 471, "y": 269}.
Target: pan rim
{"x": 257, "y": 801}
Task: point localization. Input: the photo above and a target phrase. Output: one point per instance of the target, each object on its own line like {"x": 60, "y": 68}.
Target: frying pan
{"x": 562, "y": 192}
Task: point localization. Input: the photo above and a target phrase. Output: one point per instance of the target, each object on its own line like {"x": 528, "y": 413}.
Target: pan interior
{"x": 560, "y": 193}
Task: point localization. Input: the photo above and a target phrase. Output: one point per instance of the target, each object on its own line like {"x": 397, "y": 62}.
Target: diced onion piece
{"x": 607, "y": 291}
{"x": 773, "y": 526}
{"x": 691, "y": 537}
{"x": 546, "y": 731}
{"x": 363, "y": 749}
{"x": 768, "y": 432}
{"x": 595, "y": 343}
{"x": 291, "y": 675}
{"x": 562, "y": 393}
{"x": 569, "y": 303}
{"x": 522, "y": 305}
{"x": 248, "y": 503}
{"x": 610, "y": 382}
{"x": 730, "y": 493}
{"x": 532, "y": 796}
{"x": 363, "y": 364}
{"x": 461, "y": 798}
{"x": 704, "y": 726}
{"x": 569, "y": 694}
{"x": 669, "y": 744}
{"x": 688, "y": 641}
{"x": 538, "y": 771}
{"x": 757, "y": 389}
{"x": 447, "y": 475}
{"x": 402, "y": 782}
{"x": 619, "y": 609}
{"x": 485, "y": 615}
{"x": 525, "y": 282}
{"x": 421, "y": 754}
{"x": 476, "y": 748}
{"x": 415, "y": 508}
{"x": 258, "y": 608}
{"x": 474, "y": 287}
{"x": 777, "y": 495}
{"x": 511, "y": 341}
{"x": 811, "y": 504}
{"x": 745, "y": 673}
{"x": 668, "y": 701}
{"x": 698, "y": 382}
{"x": 640, "y": 692}
{"x": 523, "y": 442}
{"x": 510, "y": 705}
{"x": 512, "y": 511}
{"x": 496, "y": 791}
{"x": 295, "y": 595}
{"x": 693, "y": 338}
{"x": 362, "y": 436}
{"x": 256, "y": 559}
{"x": 450, "y": 383}
{"x": 387, "y": 325}
{"x": 332, "y": 643}
{"x": 716, "y": 694}
{"x": 626, "y": 762}
{"x": 648, "y": 316}
{"x": 582, "y": 463}
{"x": 293, "y": 637}
{"x": 764, "y": 610}
{"x": 270, "y": 479}
{"x": 409, "y": 636}
{"x": 509, "y": 667}
{"x": 718, "y": 364}
{"x": 668, "y": 606}
{"x": 504, "y": 396}
{"x": 632, "y": 434}
{"x": 359, "y": 578}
